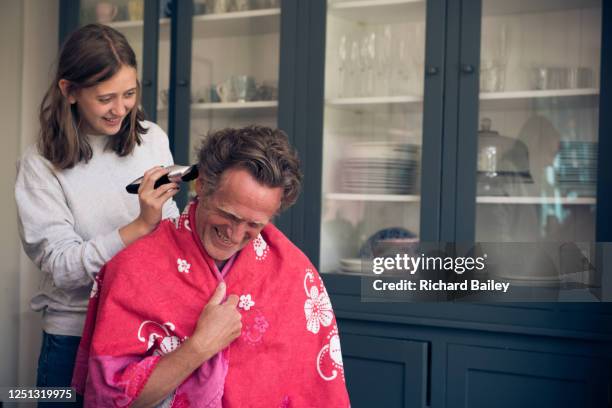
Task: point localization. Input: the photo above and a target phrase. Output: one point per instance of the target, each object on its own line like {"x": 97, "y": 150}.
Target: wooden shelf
{"x": 532, "y": 94}
{"x": 524, "y": 99}
{"x": 238, "y": 23}
{"x": 231, "y": 106}
{"x": 134, "y": 24}
{"x": 504, "y": 7}
{"x": 378, "y": 11}
{"x": 374, "y": 100}
{"x": 536, "y": 200}
{"x": 235, "y": 105}
{"x": 377, "y": 103}
{"x": 373, "y": 197}
{"x": 356, "y": 4}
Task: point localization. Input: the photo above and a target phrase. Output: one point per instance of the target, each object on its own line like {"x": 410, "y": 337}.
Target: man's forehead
{"x": 236, "y": 214}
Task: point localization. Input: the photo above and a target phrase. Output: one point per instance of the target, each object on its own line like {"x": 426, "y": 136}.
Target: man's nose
{"x": 238, "y": 232}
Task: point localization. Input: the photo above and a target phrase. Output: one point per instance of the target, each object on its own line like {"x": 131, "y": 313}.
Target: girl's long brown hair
{"x": 90, "y": 55}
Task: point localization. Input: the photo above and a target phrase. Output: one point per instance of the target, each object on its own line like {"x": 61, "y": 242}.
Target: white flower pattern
{"x": 159, "y": 337}
{"x": 318, "y": 310}
{"x": 261, "y": 248}
{"x": 246, "y": 302}
{"x": 182, "y": 265}
{"x": 330, "y": 356}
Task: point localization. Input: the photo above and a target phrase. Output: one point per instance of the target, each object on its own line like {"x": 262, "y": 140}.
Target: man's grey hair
{"x": 264, "y": 152}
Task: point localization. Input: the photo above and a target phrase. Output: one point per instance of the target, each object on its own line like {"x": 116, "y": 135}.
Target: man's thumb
{"x": 219, "y": 295}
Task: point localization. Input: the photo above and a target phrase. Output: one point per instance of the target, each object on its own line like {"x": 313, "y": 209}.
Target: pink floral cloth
{"x": 146, "y": 302}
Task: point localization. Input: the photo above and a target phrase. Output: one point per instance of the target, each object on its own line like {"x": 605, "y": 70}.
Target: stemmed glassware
{"x": 355, "y": 66}
{"x": 418, "y": 57}
{"x": 384, "y": 60}
{"x": 368, "y": 60}
{"x": 401, "y": 74}
{"x": 381, "y": 61}
{"x": 494, "y": 59}
{"x": 342, "y": 66}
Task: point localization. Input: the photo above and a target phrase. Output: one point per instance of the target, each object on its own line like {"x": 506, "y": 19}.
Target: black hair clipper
{"x": 177, "y": 174}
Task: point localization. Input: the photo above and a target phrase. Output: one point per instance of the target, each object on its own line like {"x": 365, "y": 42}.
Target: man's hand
{"x": 218, "y": 325}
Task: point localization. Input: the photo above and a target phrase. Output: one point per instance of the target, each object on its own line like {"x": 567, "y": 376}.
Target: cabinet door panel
{"x": 488, "y": 377}
{"x": 385, "y": 372}
{"x": 373, "y": 146}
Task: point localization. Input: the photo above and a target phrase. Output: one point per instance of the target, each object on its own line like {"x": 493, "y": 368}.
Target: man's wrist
{"x": 198, "y": 348}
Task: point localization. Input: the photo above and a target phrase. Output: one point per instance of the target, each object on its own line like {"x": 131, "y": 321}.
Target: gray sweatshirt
{"x": 69, "y": 221}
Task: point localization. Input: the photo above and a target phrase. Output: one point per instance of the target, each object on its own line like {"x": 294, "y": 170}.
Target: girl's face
{"x": 103, "y": 107}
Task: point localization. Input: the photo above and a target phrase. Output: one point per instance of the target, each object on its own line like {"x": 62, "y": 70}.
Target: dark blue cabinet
{"x": 480, "y": 377}
{"x": 425, "y": 354}
{"x": 419, "y": 363}
{"x": 479, "y": 355}
{"x": 381, "y": 369}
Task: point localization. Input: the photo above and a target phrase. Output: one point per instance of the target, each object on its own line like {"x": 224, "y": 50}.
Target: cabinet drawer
{"x": 384, "y": 372}
{"x": 480, "y": 377}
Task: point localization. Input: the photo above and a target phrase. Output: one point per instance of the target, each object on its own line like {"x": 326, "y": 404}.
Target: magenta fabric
{"x": 146, "y": 302}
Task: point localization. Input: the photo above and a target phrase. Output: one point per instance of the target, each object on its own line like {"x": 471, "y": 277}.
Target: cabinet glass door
{"x": 372, "y": 134}
{"x": 537, "y": 143}
{"x": 235, "y": 65}
{"x": 538, "y": 136}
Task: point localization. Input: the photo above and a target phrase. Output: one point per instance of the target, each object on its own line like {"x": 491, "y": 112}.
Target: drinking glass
{"x": 342, "y": 65}
{"x": 355, "y": 69}
{"x": 368, "y": 59}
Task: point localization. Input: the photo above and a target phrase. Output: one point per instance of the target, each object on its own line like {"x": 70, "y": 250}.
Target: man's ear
{"x": 198, "y": 187}
{"x": 64, "y": 86}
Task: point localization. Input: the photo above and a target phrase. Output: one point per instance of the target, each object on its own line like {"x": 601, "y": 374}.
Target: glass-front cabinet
{"x": 234, "y": 65}
{"x": 539, "y": 120}
{"x": 372, "y": 129}
{"x": 537, "y": 146}
{"x": 518, "y": 147}
{"x": 416, "y": 120}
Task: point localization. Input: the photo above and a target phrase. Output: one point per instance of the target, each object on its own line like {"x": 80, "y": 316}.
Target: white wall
{"x": 29, "y": 32}
{"x": 40, "y": 41}
{"x": 11, "y": 27}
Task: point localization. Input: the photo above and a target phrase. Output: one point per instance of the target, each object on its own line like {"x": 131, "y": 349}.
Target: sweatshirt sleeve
{"x": 47, "y": 229}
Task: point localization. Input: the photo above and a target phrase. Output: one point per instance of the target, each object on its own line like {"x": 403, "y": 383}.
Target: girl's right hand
{"x": 152, "y": 199}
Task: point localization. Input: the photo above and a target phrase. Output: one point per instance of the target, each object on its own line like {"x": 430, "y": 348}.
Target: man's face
{"x": 235, "y": 214}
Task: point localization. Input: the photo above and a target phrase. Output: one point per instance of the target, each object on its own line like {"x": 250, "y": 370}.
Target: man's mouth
{"x": 224, "y": 240}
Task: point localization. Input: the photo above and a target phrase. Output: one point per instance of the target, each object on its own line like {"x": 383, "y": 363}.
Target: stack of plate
{"x": 381, "y": 168}
{"x": 350, "y": 265}
{"x": 576, "y": 167}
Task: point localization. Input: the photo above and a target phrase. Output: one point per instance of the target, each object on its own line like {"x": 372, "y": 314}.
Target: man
{"x": 160, "y": 330}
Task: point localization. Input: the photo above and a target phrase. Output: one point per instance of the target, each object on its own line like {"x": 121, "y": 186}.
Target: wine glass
{"x": 401, "y": 75}
{"x": 368, "y": 59}
{"x": 418, "y": 56}
{"x": 343, "y": 58}
{"x": 355, "y": 67}
{"x": 383, "y": 61}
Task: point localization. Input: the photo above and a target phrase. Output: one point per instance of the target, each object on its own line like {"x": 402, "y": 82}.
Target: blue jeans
{"x": 55, "y": 365}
